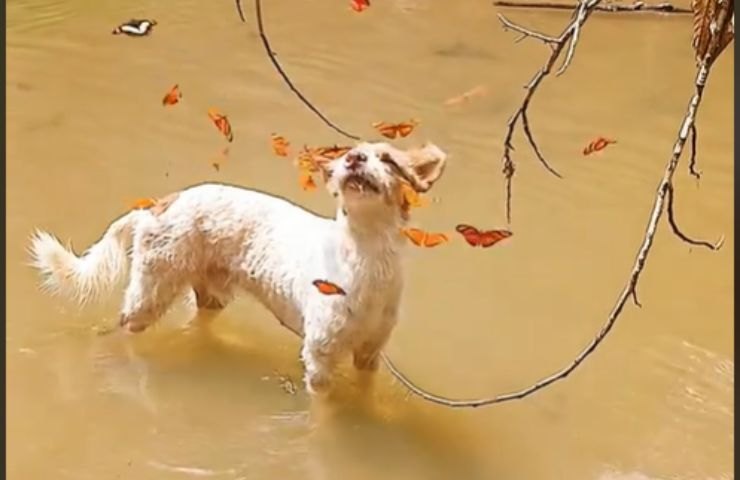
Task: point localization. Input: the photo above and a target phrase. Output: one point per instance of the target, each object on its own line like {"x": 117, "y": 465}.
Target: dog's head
{"x": 370, "y": 176}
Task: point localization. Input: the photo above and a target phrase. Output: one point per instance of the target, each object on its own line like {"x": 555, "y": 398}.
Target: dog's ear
{"x": 421, "y": 166}
{"x": 428, "y": 163}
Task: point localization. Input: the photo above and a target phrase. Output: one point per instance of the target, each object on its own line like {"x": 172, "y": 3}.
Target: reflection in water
{"x": 87, "y": 133}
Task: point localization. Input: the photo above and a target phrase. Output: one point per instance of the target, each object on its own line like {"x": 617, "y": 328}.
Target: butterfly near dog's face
{"x": 373, "y": 174}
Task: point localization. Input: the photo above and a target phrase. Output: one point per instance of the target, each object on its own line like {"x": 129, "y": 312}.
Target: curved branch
{"x": 692, "y": 162}
{"x": 665, "y": 189}
{"x": 677, "y": 231}
{"x": 239, "y": 9}
{"x": 528, "y": 133}
{"x": 286, "y": 79}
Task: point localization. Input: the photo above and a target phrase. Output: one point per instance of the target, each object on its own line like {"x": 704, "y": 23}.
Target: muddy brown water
{"x": 87, "y": 134}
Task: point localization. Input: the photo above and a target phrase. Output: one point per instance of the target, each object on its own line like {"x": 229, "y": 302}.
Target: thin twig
{"x": 680, "y": 234}
{"x": 557, "y": 44}
{"x": 239, "y": 9}
{"x": 279, "y": 68}
{"x": 692, "y": 161}
{"x": 628, "y": 291}
{"x": 614, "y": 8}
{"x": 528, "y": 133}
{"x": 580, "y": 17}
{"x": 508, "y": 25}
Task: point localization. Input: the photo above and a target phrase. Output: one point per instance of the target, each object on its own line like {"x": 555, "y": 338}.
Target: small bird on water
{"x": 135, "y": 28}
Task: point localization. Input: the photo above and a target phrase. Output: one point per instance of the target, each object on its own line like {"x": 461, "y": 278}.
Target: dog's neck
{"x": 378, "y": 226}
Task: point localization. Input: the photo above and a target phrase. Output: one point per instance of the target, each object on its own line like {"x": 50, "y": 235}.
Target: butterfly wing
{"x": 306, "y": 181}
{"x": 405, "y": 129}
{"x": 213, "y": 114}
{"x": 434, "y": 239}
{"x": 143, "y": 203}
{"x": 417, "y": 236}
{"x": 328, "y": 288}
{"x": 492, "y": 237}
{"x": 386, "y": 129}
{"x": 224, "y": 126}
{"x": 411, "y": 196}
{"x": 280, "y": 145}
{"x": 597, "y": 144}
{"x": 470, "y": 234}
{"x": 332, "y": 153}
{"x": 172, "y": 97}
{"x": 306, "y": 164}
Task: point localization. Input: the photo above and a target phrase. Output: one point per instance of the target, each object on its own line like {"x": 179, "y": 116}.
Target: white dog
{"x": 219, "y": 239}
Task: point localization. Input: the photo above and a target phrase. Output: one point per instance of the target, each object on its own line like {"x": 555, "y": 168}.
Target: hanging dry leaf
{"x": 714, "y": 28}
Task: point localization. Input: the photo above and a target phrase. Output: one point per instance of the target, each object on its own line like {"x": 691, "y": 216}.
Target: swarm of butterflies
{"x": 310, "y": 159}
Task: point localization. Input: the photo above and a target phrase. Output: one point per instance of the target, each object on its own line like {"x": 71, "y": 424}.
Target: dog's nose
{"x": 354, "y": 160}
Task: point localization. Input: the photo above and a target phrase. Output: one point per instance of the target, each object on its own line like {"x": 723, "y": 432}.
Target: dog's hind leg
{"x": 147, "y": 297}
{"x": 213, "y": 292}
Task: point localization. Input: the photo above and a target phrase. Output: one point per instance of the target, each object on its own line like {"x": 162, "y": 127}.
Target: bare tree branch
{"x": 271, "y": 54}
{"x": 680, "y": 234}
{"x": 692, "y": 162}
{"x": 580, "y": 18}
{"x": 508, "y": 25}
{"x": 637, "y": 6}
{"x": 557, "y": 44}
{"x": 528, "y": 133}
{"x": 239, "y": 9}
{"x": 665, "y": 189}
{"x": 718, "y": 39}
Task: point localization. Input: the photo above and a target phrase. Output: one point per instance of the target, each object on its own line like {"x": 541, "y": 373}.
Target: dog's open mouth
{"x": 360, "y": 184}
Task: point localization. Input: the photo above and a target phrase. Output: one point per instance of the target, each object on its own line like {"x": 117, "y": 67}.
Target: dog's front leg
{"x": 321, "y": 347}
{"x": 319, "y": 361}
{"x": 366, "y": 357}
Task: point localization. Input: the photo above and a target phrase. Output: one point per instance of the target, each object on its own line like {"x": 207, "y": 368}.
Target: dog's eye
{"x": 386, "y": 158}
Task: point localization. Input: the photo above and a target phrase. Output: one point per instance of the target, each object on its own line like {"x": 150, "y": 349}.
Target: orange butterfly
{"x": 420, "y": 238}
{"x": 599, "y": 143}
{"x": 310, "y": 159}
{"x": 173, "y": 96}
{"x": 280, "y": 145}
{"x": 142, "y": 203}
{"x": 220, "y": 158}
{"x": 476, "y": 91}
{"x": 411, "y": 196}
{"x": 307, "y": 163}
{"x": 222, "y": 123}
{"x": 360, "y": 5}
{"x": 485, "y": 239}
{"x": 331, "y": 153}
{"x": 393, "y": 130}
{"x": 306, "y": 181}
{"x": 328, "y": 288}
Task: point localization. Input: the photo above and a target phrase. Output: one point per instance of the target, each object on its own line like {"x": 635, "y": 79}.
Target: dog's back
{"x": 218, "y": 239}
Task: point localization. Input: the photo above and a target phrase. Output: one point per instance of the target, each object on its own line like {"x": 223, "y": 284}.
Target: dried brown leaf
{"x": 714, "y": 27}
{"x": 703, "y": 15}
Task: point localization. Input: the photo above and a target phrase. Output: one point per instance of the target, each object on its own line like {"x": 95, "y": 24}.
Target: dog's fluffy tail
{"x": 88, "y": 276}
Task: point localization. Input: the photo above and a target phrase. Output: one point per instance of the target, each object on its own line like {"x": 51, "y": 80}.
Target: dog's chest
{"x": 372, "y": 281}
